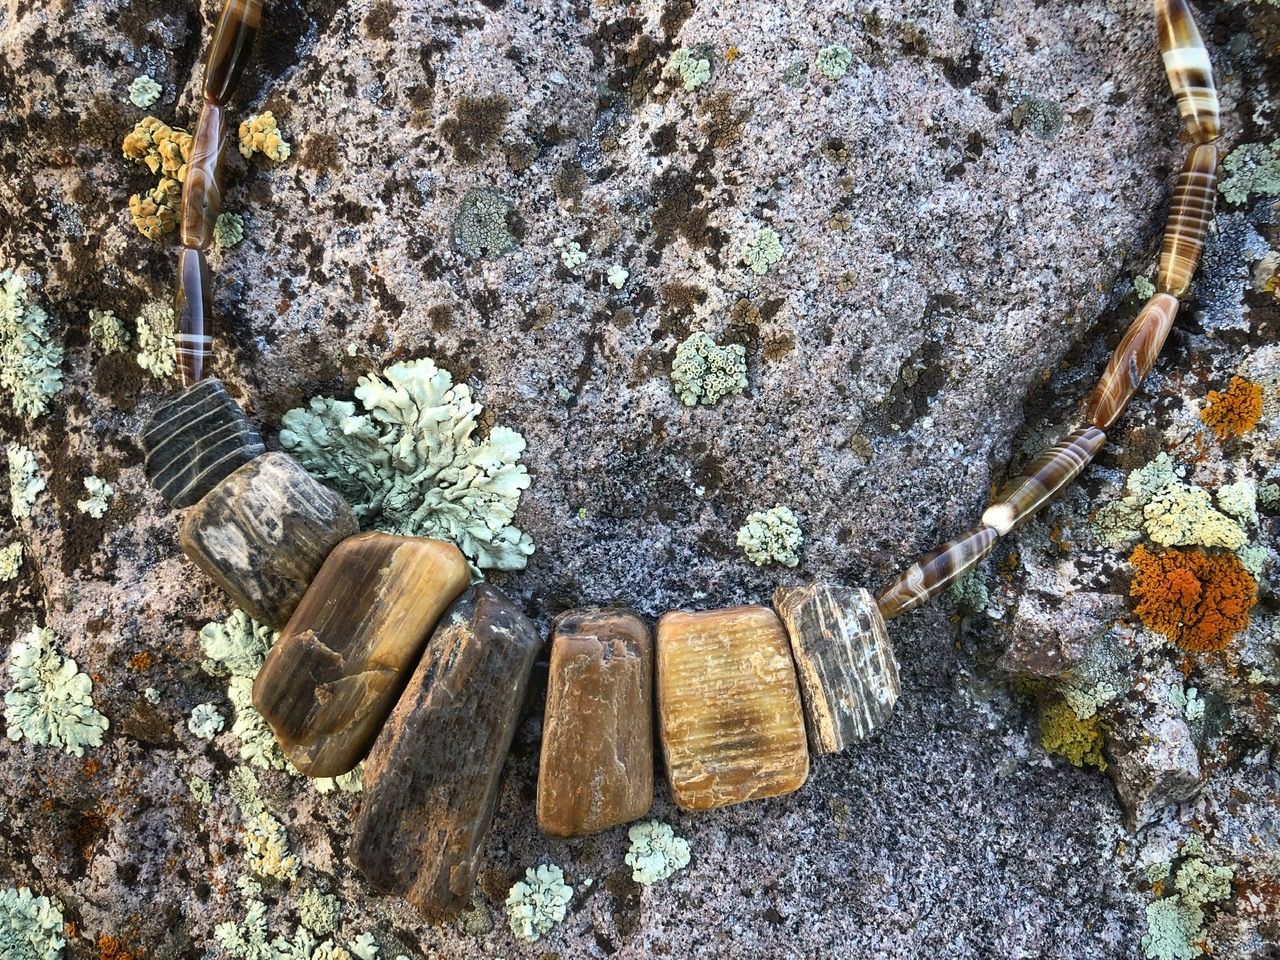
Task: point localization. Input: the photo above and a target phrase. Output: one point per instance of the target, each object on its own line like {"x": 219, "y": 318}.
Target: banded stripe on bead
{"x": 1190, "y": 72}
{"x": 1043, "y": 477}
{"x": 935, "y": 571}
{"x": 1190, "y": 214}
{"x": 1131, "y": 361}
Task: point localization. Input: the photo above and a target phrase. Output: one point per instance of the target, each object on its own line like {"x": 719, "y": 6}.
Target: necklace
{"x": 389, "y": 655}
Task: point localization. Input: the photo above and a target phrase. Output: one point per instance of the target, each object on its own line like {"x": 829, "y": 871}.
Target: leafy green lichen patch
{"x": 49, "y": 702}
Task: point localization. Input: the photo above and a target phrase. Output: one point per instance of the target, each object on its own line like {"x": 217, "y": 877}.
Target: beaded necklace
{"x": 388, "y": 655}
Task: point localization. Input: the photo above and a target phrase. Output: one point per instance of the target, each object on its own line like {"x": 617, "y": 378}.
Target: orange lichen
{"x": 1234, "y": 412}
{"x": 1198, "y": 600}
{"x": 109, "y": 948}
{"x": 731, "y": 54}
{"x": 141, "y": 661}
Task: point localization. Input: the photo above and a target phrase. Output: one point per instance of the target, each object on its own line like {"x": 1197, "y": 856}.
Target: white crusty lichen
{"x": 25, "y": 481}
{"x": 108, "y": 332}
{"x": 656, "y": 852}
{"x": 763, "y": 250}
{"x": 49, "y": 702}
{"x": 573, "y": 256}
{"x": 260, "y": 134}
{"x": 704, "y": 372}
{"x": 30, "y": 361}
{"x": 772, "y": 536}
{"x": 617, "y": 276}
{"x": 99, "y": 499}
{"x": 538, "y": 902}
{"x": 228, "y": 230}
{"x": 31, "y": 927}
{"x": 10, "y": 561}
{"x": 156, "y": 352}
{"x": 834, "y": 61}
{"x": 206, "y": 722}
{"x": 691, "y": 66}
{"x": 411, "y": 462}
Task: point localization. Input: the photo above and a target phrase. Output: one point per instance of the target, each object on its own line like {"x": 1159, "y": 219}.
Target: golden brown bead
{"x": 935, "y": 571}
{"x": 202, "y": 189}
{"x": 1131, "y": 361}
{"x": 1044, "y": 477}
{"x": 1190, "y": 214}
{"x": 229, "y": 52}
{"x": 1190, "y": 72}
{"x": 193, "y": 316}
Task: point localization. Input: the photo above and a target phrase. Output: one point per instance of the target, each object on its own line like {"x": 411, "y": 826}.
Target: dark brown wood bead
{"x": 431, "y": 781}
{"x": 352, "y": 643}
{"x": 202, "y": 187}
{"x": 229, "y": 52}
{"x": 193, "y": 316}
{"x": 195, "y": 440}
{"x": 596, "y": 769}
{"x": 262, "y": 533}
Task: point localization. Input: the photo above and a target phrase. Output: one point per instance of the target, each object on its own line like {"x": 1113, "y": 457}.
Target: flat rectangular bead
{"x": 729, "y": 712}
{"x": 596, "y": 769}
{"x": 848, "y": 673}
{"x": 262, "y": 533}
{"x": 355, "y": 638}
{"x": 431, "y": 781}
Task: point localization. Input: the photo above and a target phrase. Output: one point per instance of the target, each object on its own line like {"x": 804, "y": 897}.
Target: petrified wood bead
{"x": 1190, "y": 214}
{"x": 229, "y": 52}
{"x": 1047, "y": 474}
{"x": 202, "y": 187}
{"x": 1186, "y": 61}
{"x": 848, "y": 673}
{"x": 195, "y": 440}
{"x": 431, "y": 781}
{"x": 193, "y": 316}
{"x": 263, "y": 532}
{"x": 596, "y": 769}
{"x": 729, "y": 712}
{"x": 352, "y": 643}
{"x": 935, "y": 571}
{"x": 1131, "y": 361}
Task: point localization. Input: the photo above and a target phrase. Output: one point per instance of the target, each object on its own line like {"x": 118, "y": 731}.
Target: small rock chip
{"x": 431, "y": 781}
{"x": 334, "y": 674}
{"x": 1154, "y": 763}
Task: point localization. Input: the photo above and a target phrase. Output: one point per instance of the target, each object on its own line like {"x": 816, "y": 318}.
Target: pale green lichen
{"x": 763, "y": 250}
{"x": 480, "y": 229}
{"x": 1254, "y": 557}
{"x": 412, "y": 464}
{"x": 1143, "y": 287}
{"x": 1251, "y": 168}
{"x": 971, "y": 592}
{"x": 772, "y": 536}
{"x": 251, "y": 939}
{"x": 573, "y": 256}
{"x": 30, "y": 361}
{"x": 1042, "y": 116}
{"x": 156, "y": 352}
{"x": 1175, "y": 924}
{"x": 1199, "y": 883}
{"x": 1171, "y": 931}
{"x": 1169, "y": 510}
{"x": 228, "y": 230}
{"x": 49, "y": 702}
{"x": 319, "y": 912}
{"x": 144, "y": 91}
{"x": 266, "y": 849}
{"x": 206, "y": 722}
{"x": 1240, "y": 500}
{"x": 108, "y": 332}
{"x": 834, "y": 61}
{"x": 1269, "y": 496}
{"x": 656, "y": 852}
{"x": 201, "y": 789}
{"x": 10, "y": 561}
{"x": 704, "y": 372}
{"x": 691, "y": 66}
{"x": 31, "y": 927}
{"x": 617, "y": 276}
{"x": 25, "y": 481}
{"x": 99, "y": 499}
{"x": 152, "y": 696}
{"x": 538, "y": 902}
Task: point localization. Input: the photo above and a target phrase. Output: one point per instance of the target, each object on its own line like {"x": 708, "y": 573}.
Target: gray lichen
{"x": 763, "y": 250}
{"x": 480, "y": 228}
{"x": 1251, "y": 168}
{"x": 772, "y": 536}
{"x": 50, "y": 702}
{"x": 704, "y": 372}
{"x": 144, "y": 91}
{"x": 656, "y": 852}
{"x": 538, "y": 902}
{"x": 25, "y": 481}
{"x": 30, "y": 361}
{"x": 155, "y": 339}
{"x": 31, "y": 927}
{"x": 99, "y": 499}
{"x": 834, "y": 61}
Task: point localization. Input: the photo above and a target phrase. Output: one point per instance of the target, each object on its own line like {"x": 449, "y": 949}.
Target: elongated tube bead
{"x": 1044, "y": 477}
{"x": 1186, "y": 61}
{"x": 193, "y": 316}
{"x": 232, "y": 40}
{"x": 202, "y": 188}
{"x": 1190, "y": 214}
{"x": 935, "y": 571}
{"x": 1131, "y": 361}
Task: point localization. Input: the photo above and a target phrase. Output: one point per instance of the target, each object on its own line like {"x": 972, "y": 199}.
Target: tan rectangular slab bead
{"x": 729, "y": 712}
{"x": 848, "y": 673}
{"x": 596, "y": 769}
{"x": 431, "y": 781}
{"x": 333, "y": 676}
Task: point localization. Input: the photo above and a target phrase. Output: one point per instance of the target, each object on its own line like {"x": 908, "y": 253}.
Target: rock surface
{"x": 960, "y": 215}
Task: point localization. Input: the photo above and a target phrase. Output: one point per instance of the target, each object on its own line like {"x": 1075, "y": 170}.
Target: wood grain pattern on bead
{"x": 193, "y": 316}
{"x": 1047, "y": 474}
{"x": 935, "y": 571}
{"x": 202, "y": 188}
{"x": 1131, "y": 361}
{"x": 1190, "y": 214}
{"x": 1190, "y": 72}
{"x": 229, "y": 52}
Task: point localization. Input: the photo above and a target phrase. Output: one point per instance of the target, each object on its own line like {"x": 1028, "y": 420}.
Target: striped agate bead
{"x": 193, "y": 315}
{"x": 1131, "y": 361}
{"x": 1042, "y": 479}
{"x": 232, "y": 40}
{"x": 1190, "y": 214}
{"x": 202, "y": 188}
{"x": 935, "y": 571}
{"x": 1186, "y": 61}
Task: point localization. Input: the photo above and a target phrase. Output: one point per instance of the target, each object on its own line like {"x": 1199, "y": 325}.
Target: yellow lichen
{"x": 161, "y": 148}
{"x": 1235, "y": 411}
{"x": 156, "y": 212}
{"x": 1065, "y": 734}
{"x": 260, "y": 134}
{"x": 1200, "y": 601}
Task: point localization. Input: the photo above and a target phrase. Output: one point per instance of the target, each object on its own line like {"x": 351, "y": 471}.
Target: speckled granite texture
{"x": 955, "y": 268}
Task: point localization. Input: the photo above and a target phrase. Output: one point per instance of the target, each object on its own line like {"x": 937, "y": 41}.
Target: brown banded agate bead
{"x": 333, "y": 676}
{"x": 1190, "y": 215}
{"x": 229, "y": 52}
{"x": 193, "y": 315}
{"x": 263, "y": 532}
{"x": 1190, "y": 72}
{"x": 845, "y": 663}
{"x": 202, "y": 188}
{"x": 1131, "y": 361}
{"x": 936, "y": 571}
{"x": 729, "y": 712}
{"x": 1044, "y": 477}
{"x": 596, "y": 769}
{"x": 431, "y": 780}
